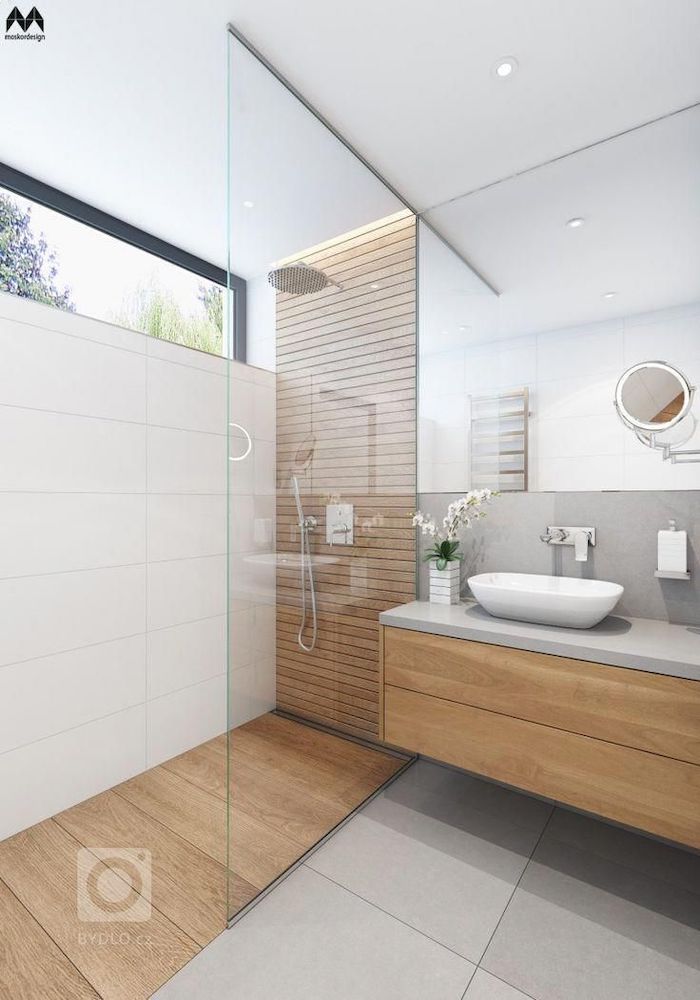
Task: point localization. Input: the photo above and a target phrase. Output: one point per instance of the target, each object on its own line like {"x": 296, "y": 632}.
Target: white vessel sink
{"x": 546, "y": 600}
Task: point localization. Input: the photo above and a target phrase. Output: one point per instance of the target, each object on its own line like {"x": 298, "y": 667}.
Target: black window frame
{"x": 73, "y": 208}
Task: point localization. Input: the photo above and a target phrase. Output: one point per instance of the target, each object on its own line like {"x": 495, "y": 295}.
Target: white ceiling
{"x": 639, "y": 196}
{"x": 125, "y": 106}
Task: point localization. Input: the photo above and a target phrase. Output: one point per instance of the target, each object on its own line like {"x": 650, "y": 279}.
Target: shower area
{"x": 196, "y": 551}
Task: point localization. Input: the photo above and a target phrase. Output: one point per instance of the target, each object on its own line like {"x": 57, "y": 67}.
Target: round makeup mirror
{"x": 653, "y": 396}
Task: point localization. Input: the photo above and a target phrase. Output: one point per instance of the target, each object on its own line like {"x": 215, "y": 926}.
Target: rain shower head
{"x": 299, "y": 279}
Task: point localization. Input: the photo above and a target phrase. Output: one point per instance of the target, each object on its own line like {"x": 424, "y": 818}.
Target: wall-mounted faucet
{"x": 580, "y": 538}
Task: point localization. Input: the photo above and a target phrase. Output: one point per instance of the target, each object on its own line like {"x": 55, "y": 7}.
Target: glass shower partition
{"x": 320, "y": 536}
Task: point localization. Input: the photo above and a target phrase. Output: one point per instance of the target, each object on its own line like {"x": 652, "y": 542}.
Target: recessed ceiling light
{"x": 248, "y": 204}
{"x": 575, "y": 222}
{"x": 464, "y": 329}
{"x": 505, "y": 67}
{"x": 609, "y": 295}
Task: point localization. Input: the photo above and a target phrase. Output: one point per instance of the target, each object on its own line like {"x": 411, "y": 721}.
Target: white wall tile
{"x": 242, "y": 403}
{"x": 673, "y": 336}
{"x": 59, "y": 532}
{"x": 264, "y": 630}
{"x": 441, "y": 373}
{"x": 186, "y": 718}
{"x": 186, "y": 398}
{"x": 243, "y": 372}
{"x": 450, "y": 477}
{"x": 242, "y": 513}
{"x": 51, "y": 614}
{"x": 265, "y": 413}
{"x": 242, "y": 626}
{"x": 604, "y": 472}
{"x": 263, "y": 354}
{"x": 587, "y": 350}
{"x": 186, "y": 461}
{"x": 186, "y": 590}
{"x": 264, "y": 376}
{"x": 183, "y": 526}
{"x": 189, "y": 356}
{"x": 242, "y": 471}
{"x": 41, "y": 779}
{"x": 51, "y": 371}
{"x": 253, "y": 576}
{"x": 575, "y": 397}
{"x": 264, "y": 694}
{"x": 57, "y": 453}
{"x": 39, "y": 698}
{"x": 50, "y": 318}
{"x": 647, "y": 471}
{"x": 265, "y": 467}
{"x": 569, "y": 437}
{"x": 185, "y": 654}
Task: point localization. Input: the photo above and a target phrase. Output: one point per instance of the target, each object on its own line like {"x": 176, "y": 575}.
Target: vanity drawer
{"x": 629, "y": 707}
{"x": 638, "y": 789}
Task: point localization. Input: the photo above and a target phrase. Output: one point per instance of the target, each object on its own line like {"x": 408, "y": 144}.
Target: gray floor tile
{"x": 582, "y": 927}
{"x": 435, "y": 861}
{"x": 484, "y": 986}
{"x": 456, "y": 789}
{"x": 312, "y": 940}
{"x": 672, "y": 864}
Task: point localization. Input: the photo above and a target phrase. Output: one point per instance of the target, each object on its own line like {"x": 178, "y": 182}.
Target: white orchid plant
{"x": 460, "y": 514}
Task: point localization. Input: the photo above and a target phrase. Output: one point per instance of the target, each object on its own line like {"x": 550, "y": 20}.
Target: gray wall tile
{"x": 626, "y": 526}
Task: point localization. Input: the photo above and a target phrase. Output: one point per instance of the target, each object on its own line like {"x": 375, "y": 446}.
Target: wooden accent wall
{"x": 346, "y": 426}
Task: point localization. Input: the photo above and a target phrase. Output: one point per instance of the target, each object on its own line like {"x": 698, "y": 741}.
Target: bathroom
{"x": 258, "y": 735}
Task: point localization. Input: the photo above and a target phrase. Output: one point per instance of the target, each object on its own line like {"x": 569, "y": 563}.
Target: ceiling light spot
{"x": 248, "y": 204}
{"x": 374, "y": 285}
{"x": 609, "y": 295}
{"x": 505, "y": 67}
{"x": 575, "y": 223}
{"x": 464, "y": 329}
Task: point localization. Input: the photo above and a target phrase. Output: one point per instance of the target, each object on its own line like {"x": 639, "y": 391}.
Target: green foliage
{"x": 154, "y": 311}
{"x": 27, "y": 267}
{"x": 443, "y": 552}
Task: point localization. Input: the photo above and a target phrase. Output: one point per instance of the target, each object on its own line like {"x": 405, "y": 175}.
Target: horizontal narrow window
{"x": 52, "y": 257}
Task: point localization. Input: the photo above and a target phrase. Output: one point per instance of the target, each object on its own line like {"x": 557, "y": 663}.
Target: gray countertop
{"x": 636, "y": 643}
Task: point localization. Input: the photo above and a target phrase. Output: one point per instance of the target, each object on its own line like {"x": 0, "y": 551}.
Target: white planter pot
{"x": 444, "y": 584}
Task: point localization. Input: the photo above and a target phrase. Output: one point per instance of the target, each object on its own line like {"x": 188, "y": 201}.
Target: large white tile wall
{"x": 576, "y": 439}
{"x": 113, "y": 555}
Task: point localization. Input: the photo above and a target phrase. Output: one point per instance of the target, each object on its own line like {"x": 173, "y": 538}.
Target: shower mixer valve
{"x": 339, "y": 524}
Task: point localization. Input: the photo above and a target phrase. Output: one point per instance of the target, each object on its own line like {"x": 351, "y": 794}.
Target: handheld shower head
{"x": 297, "y": 497}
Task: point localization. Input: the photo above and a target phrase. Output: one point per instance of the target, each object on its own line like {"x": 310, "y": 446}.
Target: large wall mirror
{"x": 557, "y": 282}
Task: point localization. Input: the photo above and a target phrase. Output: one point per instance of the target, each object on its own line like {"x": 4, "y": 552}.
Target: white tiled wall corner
{"x": 113, "y": 572}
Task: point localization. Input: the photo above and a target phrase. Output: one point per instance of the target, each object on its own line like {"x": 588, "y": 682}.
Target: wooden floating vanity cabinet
{"x": 618, "y": 742}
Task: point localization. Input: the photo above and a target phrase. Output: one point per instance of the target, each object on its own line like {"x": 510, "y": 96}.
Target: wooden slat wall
{"x": 346, "y": 426}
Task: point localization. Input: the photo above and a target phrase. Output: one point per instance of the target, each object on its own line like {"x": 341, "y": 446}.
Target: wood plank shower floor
{"x": 290, "y": 785}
